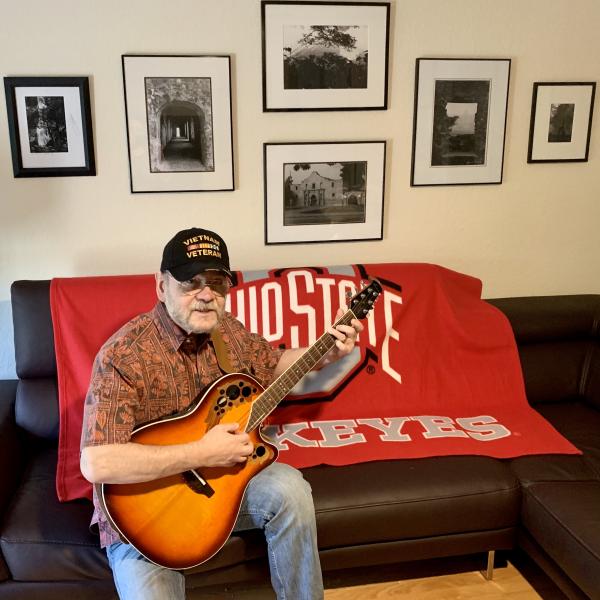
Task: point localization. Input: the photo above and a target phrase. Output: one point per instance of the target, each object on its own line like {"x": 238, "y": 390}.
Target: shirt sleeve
{"x": 110, "y": 404}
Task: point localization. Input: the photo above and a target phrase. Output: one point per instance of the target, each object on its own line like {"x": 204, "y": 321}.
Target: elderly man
{"x": 155, "y": 366}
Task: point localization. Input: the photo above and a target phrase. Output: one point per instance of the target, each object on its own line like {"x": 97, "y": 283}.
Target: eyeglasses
{"x": 219, "y": 284}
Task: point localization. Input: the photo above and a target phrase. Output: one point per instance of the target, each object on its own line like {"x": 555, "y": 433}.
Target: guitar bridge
{"x": 197, "y": 484}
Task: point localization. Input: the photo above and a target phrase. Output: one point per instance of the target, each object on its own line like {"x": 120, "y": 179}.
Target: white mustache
{"x": 204, "y": 307}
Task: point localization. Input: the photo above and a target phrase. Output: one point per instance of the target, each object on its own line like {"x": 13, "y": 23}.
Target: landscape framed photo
{"x": 459, "y": 121}
{"x": 179, "y": 132}
{"x": 561, "y": 121}
{"x": 325, "y": 55}
{"x": 324, "y": 192}
{"x": 50, "y": 126}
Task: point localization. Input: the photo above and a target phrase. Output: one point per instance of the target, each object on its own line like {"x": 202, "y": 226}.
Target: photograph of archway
{"x": 324, "y": 193}
{"x": 179, "y": 119}
{"x": 179, "y": 122}
{"x": 460, "y": 122}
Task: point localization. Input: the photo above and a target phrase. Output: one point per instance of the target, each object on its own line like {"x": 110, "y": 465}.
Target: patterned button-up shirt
{"x": 151, "y": 368}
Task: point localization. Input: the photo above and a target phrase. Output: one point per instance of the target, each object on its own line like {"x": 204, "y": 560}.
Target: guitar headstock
{"x": 362, "y": 302}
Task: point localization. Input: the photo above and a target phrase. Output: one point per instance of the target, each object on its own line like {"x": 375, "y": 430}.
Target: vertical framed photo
{"x": 561, "y": 121}
{"x": 50, "y": 126}
{"x": 460, "y": 121}
{"x": 179, "y": 133}
{"x": 325, "y": 55}
{"x": 324, "y": 192}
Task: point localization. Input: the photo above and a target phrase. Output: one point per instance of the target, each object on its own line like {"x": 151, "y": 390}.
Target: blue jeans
{"x": 277, "y": 500}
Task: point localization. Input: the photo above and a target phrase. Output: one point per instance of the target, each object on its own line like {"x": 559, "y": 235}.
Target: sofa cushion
{"x": 580, "y": 424}
{"x": 36, "y": 409}
{"x": 45, "y": 540}
{"x": 562, "y": 517}
{"x": 405, "y": 499}
{"x": 34, "y": 338}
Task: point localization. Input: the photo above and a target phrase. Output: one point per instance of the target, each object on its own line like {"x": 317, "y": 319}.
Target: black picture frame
{"x": 323, "y": 192}
{"x": 351, "y": 38}
{"x": 50, "y": 126}
{"x": 189, "y": 92}
{"x": 459, "y": 126}
{"x": 561, "y": 121}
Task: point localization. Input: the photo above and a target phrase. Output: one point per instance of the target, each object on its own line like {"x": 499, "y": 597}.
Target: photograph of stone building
{"x": 179, "y": 116}
{"x": 324, "y": 193}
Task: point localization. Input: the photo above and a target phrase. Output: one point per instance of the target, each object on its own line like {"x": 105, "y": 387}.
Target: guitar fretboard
{"x": 281, "y": 387}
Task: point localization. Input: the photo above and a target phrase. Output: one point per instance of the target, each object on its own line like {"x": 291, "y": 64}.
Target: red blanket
{"x": 436, "y": 372}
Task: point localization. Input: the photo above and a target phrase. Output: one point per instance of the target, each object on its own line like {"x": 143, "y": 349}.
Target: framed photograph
{"x": 325, "y": 55}
{"x": 561, "y": 121}
{"x": 50, "y": 126}
{"x": 459, "y": 121}
{"x": 324, "y": 192}
{"x": 179, "y": 133}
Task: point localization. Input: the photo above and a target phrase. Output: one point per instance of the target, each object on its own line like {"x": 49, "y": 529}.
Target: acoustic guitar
{"x": 182, "y": 520}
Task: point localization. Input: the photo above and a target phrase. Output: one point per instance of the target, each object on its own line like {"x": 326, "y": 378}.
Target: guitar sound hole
{"x": 233, "y": 391}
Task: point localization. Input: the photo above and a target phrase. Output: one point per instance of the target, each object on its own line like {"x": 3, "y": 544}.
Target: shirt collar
{"x": 172, "y": 332}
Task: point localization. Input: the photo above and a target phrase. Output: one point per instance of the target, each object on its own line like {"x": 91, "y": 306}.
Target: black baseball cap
{"x": 194, "y": 250}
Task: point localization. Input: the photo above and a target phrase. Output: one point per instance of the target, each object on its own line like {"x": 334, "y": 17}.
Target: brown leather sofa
{"x": 377, "y": 513}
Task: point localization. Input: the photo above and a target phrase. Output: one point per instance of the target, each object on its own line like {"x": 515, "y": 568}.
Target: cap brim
{"x": 185, "y": 272}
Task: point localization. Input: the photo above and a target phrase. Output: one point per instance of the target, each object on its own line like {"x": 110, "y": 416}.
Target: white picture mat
{"x": 75, "y": 157}
{"x": 136, "y": 68}
{"x": 277, "y": 16}
{"x": 277, "y": 155}
{"x": 581, "y": 96}
{"x": 496, "y": 71}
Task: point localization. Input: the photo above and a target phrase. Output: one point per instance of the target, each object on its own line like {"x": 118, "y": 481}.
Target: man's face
{"x": 196, "y": 305}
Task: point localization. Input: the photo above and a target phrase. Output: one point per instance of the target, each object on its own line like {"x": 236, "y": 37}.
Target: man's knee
{"x": 289, "y": 490}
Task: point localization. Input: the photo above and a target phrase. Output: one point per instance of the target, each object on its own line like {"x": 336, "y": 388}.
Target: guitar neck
{"x": 266, "y": 403}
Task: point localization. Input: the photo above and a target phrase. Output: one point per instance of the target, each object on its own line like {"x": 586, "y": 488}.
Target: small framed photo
{"x": 324, "y": 192}
{"x": 179, "y": 133}
{"x": 325, "y": 55}
{"x": 50, "y": 126}
{"x": 459, "y": 121}
{"x": 561, "y": 121}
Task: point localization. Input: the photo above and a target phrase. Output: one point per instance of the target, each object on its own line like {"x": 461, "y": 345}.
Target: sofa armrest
{"x": 11, "y": 450}
{"x": 11, "y": 454}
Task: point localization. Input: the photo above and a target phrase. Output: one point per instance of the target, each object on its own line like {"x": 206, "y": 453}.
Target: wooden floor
{"x": 507, "y": 583}
{"x": 439, "y": 581}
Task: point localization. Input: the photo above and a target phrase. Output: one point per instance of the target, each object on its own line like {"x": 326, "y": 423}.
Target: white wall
{"x": 536, "y": 233}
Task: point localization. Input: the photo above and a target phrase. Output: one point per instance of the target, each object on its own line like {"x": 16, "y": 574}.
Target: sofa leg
{"x": 489, "y": 571}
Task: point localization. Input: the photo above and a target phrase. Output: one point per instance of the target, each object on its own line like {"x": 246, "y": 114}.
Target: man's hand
{"x": 346, "y": 337}
{"x": 223, "y": 446}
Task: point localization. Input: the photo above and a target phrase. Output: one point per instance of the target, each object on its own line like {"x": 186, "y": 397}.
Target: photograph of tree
{"x": 561, "y": 122}
{"x": 325, "y": 56}
{"x": 324, "y": 193}
{"x": 46, "y": 123}
{"x": 460, "y": 122}
{"x": 179, "y": 119}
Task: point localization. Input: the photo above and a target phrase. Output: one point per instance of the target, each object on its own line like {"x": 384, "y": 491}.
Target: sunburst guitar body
{"x": 182, "y": 520}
